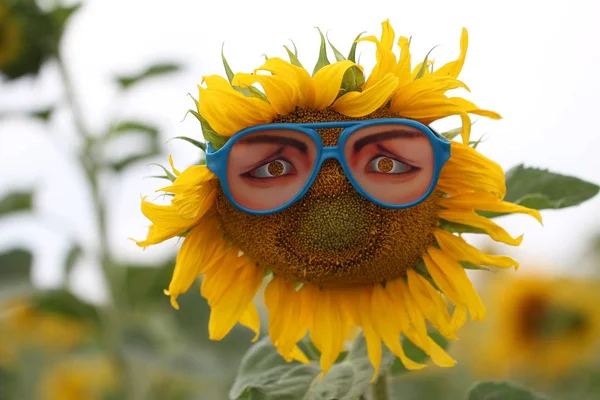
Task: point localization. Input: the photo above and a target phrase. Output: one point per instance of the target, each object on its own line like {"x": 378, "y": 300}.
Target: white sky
{"x": 534, "y": 62}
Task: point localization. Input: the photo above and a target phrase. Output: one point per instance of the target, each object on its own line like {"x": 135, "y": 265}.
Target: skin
{"x": 289, "y": 155}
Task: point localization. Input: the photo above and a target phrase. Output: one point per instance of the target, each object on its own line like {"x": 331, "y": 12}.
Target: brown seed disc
{"x": 333, "y": 236}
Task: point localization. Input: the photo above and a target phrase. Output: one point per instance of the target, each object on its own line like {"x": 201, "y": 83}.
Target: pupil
{"x": 275, "y": 168}
{"x": 385, "y": 164}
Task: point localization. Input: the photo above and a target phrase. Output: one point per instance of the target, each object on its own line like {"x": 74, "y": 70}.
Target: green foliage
{"x": 127, "y": 81}
{"x": 423, "y": 68}
{"x": 542, "y": 189}
{"x": 72, "y": 256}
{"x": 64, "y": 303}
{"x": 415, "y": 353}
{"x": 265, "y": 375}
{"x": 490, "y": 390}
{"x": 15, "y": 273}
{"x": 16, "y": 201}
{"x": 129, "y": 127}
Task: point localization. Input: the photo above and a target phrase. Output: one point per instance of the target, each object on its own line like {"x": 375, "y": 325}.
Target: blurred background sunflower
{"x": 84, "y": 115}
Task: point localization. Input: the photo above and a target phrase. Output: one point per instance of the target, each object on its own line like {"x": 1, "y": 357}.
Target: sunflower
{"x": 22, "y": 325}
{"x": 334, "y": 261}
{"x": 550, "y": 326}
{"x": 89, "y": 378}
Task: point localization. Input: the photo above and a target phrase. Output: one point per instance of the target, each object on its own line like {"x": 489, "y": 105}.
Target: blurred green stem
{"x": 381, "y": 389}
{"x": 113, "y": 323}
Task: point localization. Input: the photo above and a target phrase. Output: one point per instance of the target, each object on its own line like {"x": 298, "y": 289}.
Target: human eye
{"x": 387, "y": 165}
{"x": 272, "y": 169}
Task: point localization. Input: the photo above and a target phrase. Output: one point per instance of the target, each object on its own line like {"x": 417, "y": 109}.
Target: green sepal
{"x": 168, "y": 175}
{"x": 353, "y": 80}
{"x": 200, "y": 145}
{"x": 352, "y": 54}
{"x": 323, "y": 60}
{"x": 293, "y": 55}
{"x": 338, "y": 55}
{"x": 424, "y": 65}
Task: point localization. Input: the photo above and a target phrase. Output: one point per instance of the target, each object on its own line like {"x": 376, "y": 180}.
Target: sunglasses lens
{"x": 267, "y": 169}
{"x": 393, "y": 163}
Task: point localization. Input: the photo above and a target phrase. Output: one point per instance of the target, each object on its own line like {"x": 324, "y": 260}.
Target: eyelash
{"x": 266, "y": 162}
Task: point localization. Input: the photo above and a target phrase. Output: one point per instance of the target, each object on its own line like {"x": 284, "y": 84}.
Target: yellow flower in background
{"x": 548, "y": 326}
{"x": 335, "y": 261}
{"x": 78, "y": 379}
{"x": 21, "y": 325}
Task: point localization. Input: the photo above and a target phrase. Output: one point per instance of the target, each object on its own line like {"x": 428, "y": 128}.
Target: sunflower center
{"x": 542, "y": 320}
{"x": 333, "y": 235}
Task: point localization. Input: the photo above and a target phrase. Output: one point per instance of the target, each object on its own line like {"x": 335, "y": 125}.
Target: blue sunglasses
{"x": 393, "y": 162}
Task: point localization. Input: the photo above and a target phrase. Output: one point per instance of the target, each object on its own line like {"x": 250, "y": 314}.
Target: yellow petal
{"x": 228, "y": 111}
{"x": 402, "y": 70}
{"x": 175, "y": 170}
{"x": 290, "y": 314}
{"x": 453, "y": 68}
{"x": 386, "y": 60}
{"x": 297, "y": 77}
{"x": 458, "y": 249}
{"x": 458, "y": 278}
{"x": 328, "y": 81}
{"x": 487, "y": 202}
{"x": 470, "y": 218}
{"x": 431, "y": 303}
{"x": 358, "y": 104}
{"x": 473, "y": 109}
{"x": 234, "y": 300}
{"x": 279, "y": 93}
{"x": 328, "y": 329}
{"x": 201, "y": 247}
{"x": 251, "y": 320}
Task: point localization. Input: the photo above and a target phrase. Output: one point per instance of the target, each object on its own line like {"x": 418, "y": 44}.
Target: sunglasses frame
{"x": 217, "y": 161}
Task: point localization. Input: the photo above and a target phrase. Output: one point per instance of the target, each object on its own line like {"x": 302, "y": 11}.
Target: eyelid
{"x": 387, "y": 153}
{"x": 271, "y": 157}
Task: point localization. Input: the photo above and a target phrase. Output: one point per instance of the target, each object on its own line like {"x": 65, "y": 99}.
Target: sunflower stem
{"x": 112, "y": 319}
{"x": 381, "y": 389}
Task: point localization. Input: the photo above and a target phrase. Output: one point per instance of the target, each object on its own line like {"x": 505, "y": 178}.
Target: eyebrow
{"x": 407, "y": 134}
{"x": 286, "y": 141}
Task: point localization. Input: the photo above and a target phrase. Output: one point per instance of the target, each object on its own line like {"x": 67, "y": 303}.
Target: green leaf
{"x": 61, "y": 15}
{"x": 263, "y": 374}
{"x": 200, "y": 145}
{"x": 293, "y": 56}
{"x": 322, "y": 60}
{"x": 338, "y": 55}
{"x": 541, "y": 189}
{"x": 64, "y": 303}
{"x": 43, "y": 114}
{"x": 490, "y": 390}
{"x": 127, "y": 161}
{"x": 15, "y": 273}
{"x": 144, "y": 285}
{"x": 74, "y": 253}
{"x": 150, "y": 72}
{"x": 415, "y": 353}
{"x": 352, "y": 54}
{"x": 16, "y": 201}
{"x": 126, "y": 127}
